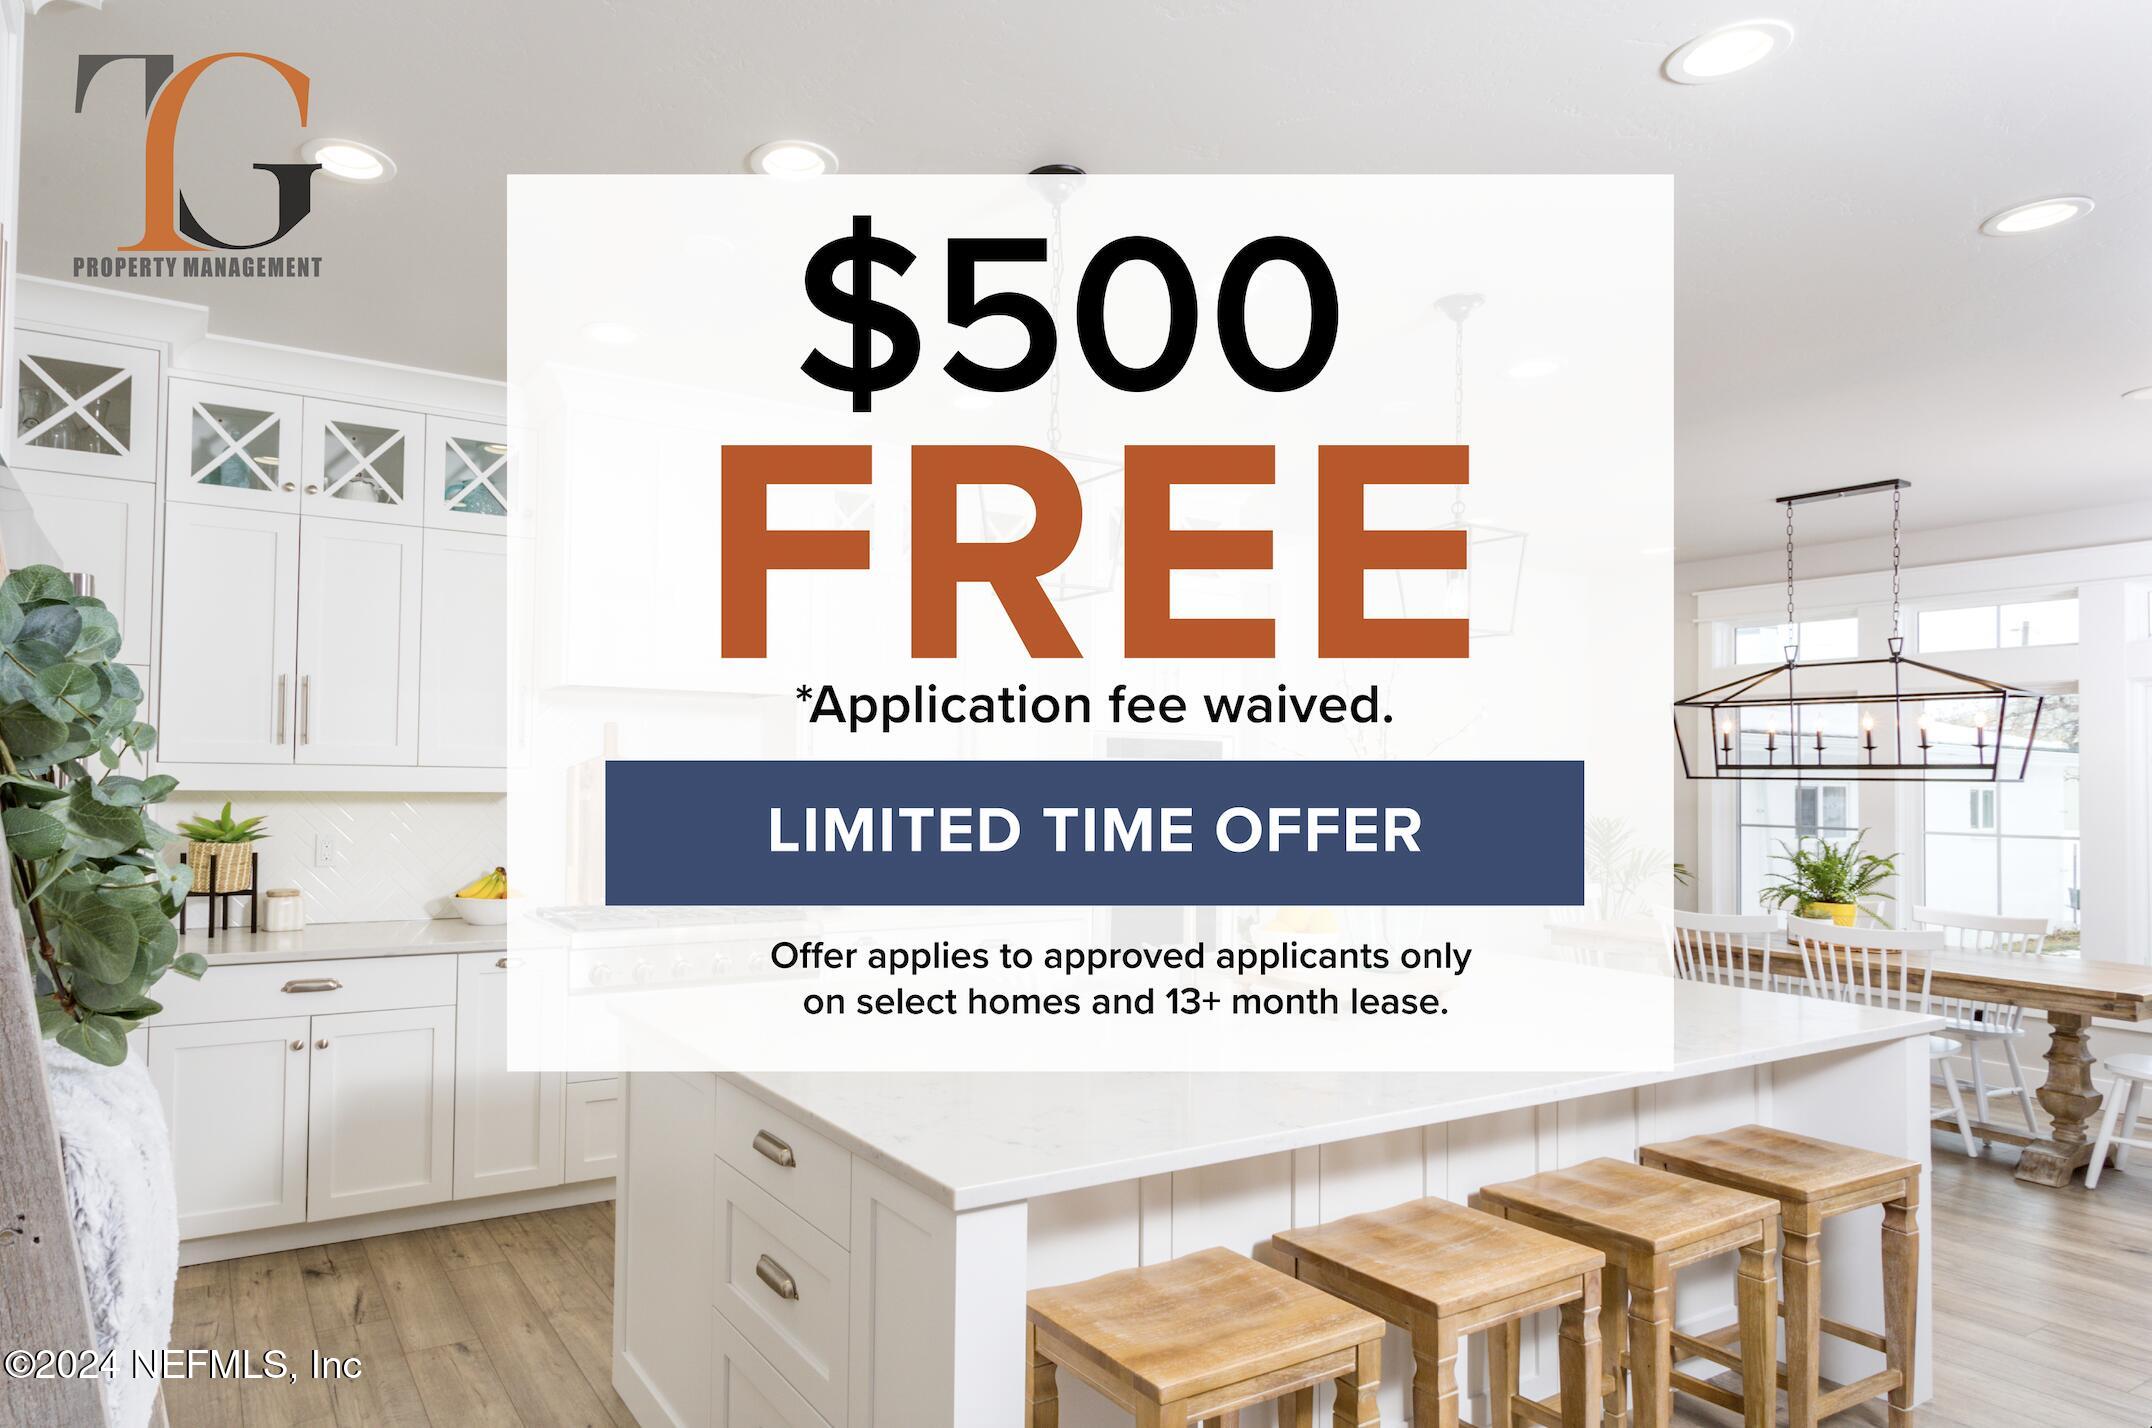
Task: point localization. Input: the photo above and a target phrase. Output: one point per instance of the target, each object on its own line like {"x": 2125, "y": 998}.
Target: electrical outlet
{"x": 328, "y": 851}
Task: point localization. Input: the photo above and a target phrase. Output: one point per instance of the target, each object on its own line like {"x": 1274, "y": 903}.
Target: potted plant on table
{"x": 217, "y": 850}
{"x": 1828, "y": 881}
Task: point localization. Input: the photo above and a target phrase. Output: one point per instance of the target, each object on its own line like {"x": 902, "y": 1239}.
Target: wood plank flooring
{"x": 2042, "y": 1298}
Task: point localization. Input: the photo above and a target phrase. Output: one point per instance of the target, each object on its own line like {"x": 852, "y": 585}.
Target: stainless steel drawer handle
{"x": 314, "y": 984}
{"x": 770, "y": 1148}
{"x": 780, "y": 1281}
{"x": 283, "y": 689}
{"x": 506, "y": 962}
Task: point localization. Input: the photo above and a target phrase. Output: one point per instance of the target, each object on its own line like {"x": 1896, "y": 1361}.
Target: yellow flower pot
{"x": 1841, "y": 913}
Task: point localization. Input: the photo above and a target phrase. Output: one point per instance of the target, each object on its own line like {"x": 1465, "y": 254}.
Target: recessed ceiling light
{"x": 2040, "y": 213}
{"x": 791, "y": 158}
{"x": 1727, "y": 50}
{"x": 1531, "y": 369}
{"x": 350, "y": 160}
{"x": 2138, "y": 394}
{"x": 611, "y": 334}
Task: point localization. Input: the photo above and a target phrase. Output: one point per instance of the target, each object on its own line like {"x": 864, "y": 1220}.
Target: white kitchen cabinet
{"x": 508, "y": 1123}
{"x": 235, "y": 1097}
{"x": 463, "y": 650}
{"x": 381, "y": 1112}
{"x": 363, "y": 463}
{"x": 231, "y": 607}
{"x": 468, "y": 469}
{"x": 358, "y": 624}
{"x": 94, "y": 526}
{"x": 233, "y": 446}
{"x": 749, "y": 1393}
{"x": 591, "y": 1131}
{"x": 84, "y": 407}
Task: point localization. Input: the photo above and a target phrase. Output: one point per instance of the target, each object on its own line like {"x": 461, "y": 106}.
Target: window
{"x": 1778, "y": 811}
{"x": 1988, "y": 627}
{"x": 2011, "y": 849}
{"x": 1819, "y": 639}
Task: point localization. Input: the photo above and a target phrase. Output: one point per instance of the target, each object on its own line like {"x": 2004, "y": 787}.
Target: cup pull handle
{"x": 506, "y": 962}
{"x": 780, "y": 1281}
{"x": 770, "y": 1148}
{"x": 314, "y": 984}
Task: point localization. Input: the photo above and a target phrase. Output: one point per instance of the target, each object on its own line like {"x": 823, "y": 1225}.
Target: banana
{"x": 491, "y": 886}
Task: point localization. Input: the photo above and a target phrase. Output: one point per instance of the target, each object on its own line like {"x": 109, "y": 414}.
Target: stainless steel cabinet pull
{"x": 314, "y": 984}
{"x": 322, "y": 1045}
{"x": 312, "y": 489}
{"x": 291, "y": 485}
{"x": 283, "y": 691}
{"x": 507, "y": 962}
{"x": 306, "y": 709}
{"x": 299, "y": 1045}
{"x": 769, "y": 1147}
{"x": 780, "y": 1281}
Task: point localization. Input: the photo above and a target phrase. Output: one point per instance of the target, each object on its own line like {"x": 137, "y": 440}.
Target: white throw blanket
{"x": 118, "y": 1160}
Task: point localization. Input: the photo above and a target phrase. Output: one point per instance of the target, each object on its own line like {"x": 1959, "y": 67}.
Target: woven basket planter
{"x": 233, "y": 864}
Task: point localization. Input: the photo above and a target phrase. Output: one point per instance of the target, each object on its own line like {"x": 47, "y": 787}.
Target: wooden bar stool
{"x": 1197, "y": 1339}
{"x": 1651, "y": 1224}
{"x": 1813, "y": 1180}
{"x": 1442, "y": 1272}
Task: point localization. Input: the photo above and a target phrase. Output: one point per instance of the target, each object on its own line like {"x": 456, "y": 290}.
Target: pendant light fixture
{"x": 1881, "y": 720}
{"x": 1494, "y": 556}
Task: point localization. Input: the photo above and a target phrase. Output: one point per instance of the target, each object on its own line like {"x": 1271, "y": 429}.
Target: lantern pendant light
{"x": 1881, "y": 720}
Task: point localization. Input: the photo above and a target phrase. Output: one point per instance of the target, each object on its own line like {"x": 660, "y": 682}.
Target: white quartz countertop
{"x": 330, "y": 940}
{"x": 977, "y": 1140}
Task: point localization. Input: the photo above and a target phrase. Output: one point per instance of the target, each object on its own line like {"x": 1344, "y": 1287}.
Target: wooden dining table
{"x": 2070, "y": 992}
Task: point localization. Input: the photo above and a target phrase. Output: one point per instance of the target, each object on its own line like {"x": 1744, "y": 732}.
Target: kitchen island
{"x": 849, "y": 1251}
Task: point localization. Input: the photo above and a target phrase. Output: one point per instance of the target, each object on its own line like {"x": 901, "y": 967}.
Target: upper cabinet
{"x": 233, "y": 446}
{"x": 469, "y": 465}
{"x": 363, "y": 463}
{"x": 85, "y": 408}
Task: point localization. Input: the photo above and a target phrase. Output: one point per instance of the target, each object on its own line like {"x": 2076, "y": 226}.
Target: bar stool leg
{"x": 1162, "y": 1415}
{"x": 1758, "y": 1280}
{"x": 1804, "y": 1325}
{"x": 1355, "y": 1404}
{"x": 1651, "y": 1345}
{"x": 1616, "y": 1324}
{"x": 1042, "y": 1399}
{"x": 1580, "y": 1358}
{"x": 1901, "y": 1288}
{"x": 1434, "y": 1376}
{"x": 1504, "y": 1342}
{"x": 1297, "y": 1409}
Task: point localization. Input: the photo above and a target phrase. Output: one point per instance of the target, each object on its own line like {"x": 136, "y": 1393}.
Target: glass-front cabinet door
{"x": 82, "y": 407}
{"x": 363, "y": 463}
{"x": 470, "y": 471}
{"x": 233, "y": 446}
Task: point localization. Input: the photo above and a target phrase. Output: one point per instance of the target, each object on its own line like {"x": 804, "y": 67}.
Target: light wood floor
{"x": 2043, "y": 1298}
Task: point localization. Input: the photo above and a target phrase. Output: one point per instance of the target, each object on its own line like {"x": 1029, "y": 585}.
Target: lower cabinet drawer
{"x": 750, "y": 1394}
{"x": 785, "y": 1287}
{"x": 346, "y": 984}
{"x": 810, "y": 1174}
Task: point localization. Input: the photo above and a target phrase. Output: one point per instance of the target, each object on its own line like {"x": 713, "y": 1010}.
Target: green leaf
{"x": 100, "y": 634}
{"x": 30, "y": 791}
{"x": 62, "y": 689}
{"x": 48, "y": 635}
{"x": 99, "y": 830}
{"x": 190, "y": 964}
{"x": 33, "y": 834}
{"x": 37, "y": 582}
{"x": 10, "y": 617}
{"x": 101, "y": 1039}
{"x": 51, "y": 1016}
{"x": 28, "y": 732}
{"x": 109, "y": 996}
{"x": 94, "y": 935}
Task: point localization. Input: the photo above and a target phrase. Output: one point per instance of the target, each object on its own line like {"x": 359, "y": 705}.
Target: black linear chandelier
{"x": 1886, "y": 720}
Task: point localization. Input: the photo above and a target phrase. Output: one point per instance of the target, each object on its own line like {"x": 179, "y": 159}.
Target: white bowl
{"x": 482, "y": 911}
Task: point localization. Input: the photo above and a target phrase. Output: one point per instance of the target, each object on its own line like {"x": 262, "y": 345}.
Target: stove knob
{"x": 682, "y": 969}
{"x": 644, "y": 972}
{"x": 600, "y": 975}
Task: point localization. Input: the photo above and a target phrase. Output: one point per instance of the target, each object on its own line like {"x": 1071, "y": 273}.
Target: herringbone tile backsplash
{"x": 397, "y": 856}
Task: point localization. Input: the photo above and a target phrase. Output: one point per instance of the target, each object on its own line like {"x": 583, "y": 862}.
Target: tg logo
{"x": 168, "y": 224}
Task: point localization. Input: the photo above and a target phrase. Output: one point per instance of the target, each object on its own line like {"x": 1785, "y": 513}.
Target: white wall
{"x": 399, "y": 855}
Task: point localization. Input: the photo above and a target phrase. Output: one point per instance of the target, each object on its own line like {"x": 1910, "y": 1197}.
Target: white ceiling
{"x": 1840, "y": 317}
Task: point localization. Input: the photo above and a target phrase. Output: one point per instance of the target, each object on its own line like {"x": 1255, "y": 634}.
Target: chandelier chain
{"x": 1897, "y": 502}
{"x": 1793, "y": 630}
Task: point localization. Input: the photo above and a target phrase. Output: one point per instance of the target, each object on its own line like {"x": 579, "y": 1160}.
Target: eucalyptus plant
{"x": 96, "y": 902}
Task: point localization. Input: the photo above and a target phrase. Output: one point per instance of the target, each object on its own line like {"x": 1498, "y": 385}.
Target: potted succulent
{"x": 1830, "y": 881}
{"x": 220, "y": 844}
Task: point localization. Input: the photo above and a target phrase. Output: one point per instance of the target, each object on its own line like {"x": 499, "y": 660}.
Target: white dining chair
{"x": 2125, "y": 1103}
{"x": 1975, "y": 1022}
{"x": 1878, "y": 967}
{"x": 1724, "y": 950}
